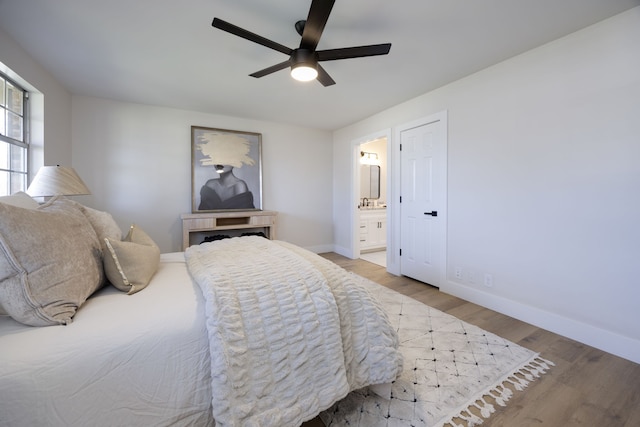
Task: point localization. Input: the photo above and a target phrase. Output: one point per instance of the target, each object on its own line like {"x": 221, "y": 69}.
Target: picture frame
{"x": 226, "y": 170}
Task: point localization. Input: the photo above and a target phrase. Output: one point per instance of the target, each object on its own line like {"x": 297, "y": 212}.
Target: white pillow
{"x": 21, "y": 200}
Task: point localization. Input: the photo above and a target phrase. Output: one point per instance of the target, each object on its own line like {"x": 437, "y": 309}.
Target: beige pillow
{"x": 131, "y": 263}
{"x": 21, "y": 200}
{"x": 102, "y": 222}
{"x": 50, "y": 262}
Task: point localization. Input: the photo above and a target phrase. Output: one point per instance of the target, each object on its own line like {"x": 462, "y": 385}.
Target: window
{"x": 13, "y": 137}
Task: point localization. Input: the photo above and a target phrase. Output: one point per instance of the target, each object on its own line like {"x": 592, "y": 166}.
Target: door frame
{"x": 355, "y": 186}
{"x": 393, "y": 209}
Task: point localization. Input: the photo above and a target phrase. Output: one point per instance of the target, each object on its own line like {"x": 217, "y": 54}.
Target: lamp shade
{"x": 57, "y": 180}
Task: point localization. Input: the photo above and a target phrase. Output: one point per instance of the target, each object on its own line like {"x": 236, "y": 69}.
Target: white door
{"x": 423, "y": 203}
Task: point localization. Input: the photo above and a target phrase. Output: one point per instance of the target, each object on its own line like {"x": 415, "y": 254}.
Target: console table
{"x": 238, "y": 221}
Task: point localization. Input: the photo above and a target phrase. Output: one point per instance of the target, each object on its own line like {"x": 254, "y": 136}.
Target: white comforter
{"x": 125, "y": 360}
{"x": 290, "y": 333}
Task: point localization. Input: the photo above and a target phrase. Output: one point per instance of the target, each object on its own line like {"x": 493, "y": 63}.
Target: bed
{"x": 237, "y": 332}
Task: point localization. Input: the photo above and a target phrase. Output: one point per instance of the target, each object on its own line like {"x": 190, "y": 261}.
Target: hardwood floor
{"x": 586, "y": 387}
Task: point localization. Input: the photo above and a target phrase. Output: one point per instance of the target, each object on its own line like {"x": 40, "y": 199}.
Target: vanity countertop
{"x": 372, "y": 208}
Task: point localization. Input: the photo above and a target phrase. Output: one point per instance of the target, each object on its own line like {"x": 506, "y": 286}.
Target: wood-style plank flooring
{"x": 586, "y": 387}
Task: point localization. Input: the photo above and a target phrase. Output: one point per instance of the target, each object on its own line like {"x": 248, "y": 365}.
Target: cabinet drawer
{"x": 262, "y": 220}
{"x": 200, "y": 223}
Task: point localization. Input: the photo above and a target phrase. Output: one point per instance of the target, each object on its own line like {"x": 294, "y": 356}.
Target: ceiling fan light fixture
{"x": 304, "y": 65}
{"x": 304, "y": 72}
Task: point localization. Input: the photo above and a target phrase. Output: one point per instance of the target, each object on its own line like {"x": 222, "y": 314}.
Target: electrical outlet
{"x": 471, "y": 277}
{"x": 488, "y": 280}
{"x": 458, "y": 273}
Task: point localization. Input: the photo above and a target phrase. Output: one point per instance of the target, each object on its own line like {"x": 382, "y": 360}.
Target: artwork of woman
{"x": 224, "y": 152}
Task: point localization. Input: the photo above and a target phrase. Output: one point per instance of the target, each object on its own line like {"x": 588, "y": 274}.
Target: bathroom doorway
{"x": 371, "y": 215}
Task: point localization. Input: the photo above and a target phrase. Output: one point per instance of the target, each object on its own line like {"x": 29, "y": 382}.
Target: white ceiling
{"x": 165, "y": 52}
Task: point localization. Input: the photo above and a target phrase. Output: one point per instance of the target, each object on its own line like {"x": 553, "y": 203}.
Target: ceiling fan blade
{"x": 241, "y": 32}
{"x": 272, "y": 69}
{"x": 317, "y": 19}
{"x": 324, "y": 77}
{"x": 353, "y": 52}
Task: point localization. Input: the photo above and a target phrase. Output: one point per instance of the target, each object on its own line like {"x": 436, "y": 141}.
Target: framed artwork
{"x": 226, "y": 170}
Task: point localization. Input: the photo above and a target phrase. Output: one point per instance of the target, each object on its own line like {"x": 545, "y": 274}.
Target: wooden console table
{"x": 203, "y": 223}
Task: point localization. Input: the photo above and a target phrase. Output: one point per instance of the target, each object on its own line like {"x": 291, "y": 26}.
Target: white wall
{"x": 47, "y": 95}
{"x": 136, "y": 159}
{"x": 543, "y": 185}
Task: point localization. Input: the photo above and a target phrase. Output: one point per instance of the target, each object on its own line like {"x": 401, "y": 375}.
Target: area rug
{"x": 453, "y": 372}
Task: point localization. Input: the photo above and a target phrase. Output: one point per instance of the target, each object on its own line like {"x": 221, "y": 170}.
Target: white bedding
{"x": 126, "y": 360}
{"x": 144, "y": 359}
{"x": 290, "y": 332}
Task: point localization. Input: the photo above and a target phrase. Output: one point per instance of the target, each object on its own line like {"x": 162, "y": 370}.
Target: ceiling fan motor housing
{"x": 304, "y": 57}
{"x": 304, "y": 65}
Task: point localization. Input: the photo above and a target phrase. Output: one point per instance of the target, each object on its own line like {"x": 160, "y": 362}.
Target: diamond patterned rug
{"x": 453, "y": 371}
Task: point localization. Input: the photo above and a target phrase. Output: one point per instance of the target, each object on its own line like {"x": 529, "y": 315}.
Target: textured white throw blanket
{"x": 290, "y": 333}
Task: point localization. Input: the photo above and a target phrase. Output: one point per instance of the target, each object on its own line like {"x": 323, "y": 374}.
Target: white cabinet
{"x": 373, "y": 229}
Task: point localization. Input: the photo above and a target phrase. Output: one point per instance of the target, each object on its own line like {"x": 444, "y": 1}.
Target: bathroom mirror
{"x": 370, "y": 181}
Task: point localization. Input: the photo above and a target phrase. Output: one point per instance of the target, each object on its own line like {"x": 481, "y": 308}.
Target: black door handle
{"x": 432, "y": 213}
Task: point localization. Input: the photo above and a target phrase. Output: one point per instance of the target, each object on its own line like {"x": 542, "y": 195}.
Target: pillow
{"x": 102, "y": 222}
{"x": 50, "y": 262}
{"x": 131, "y": 263}
{"x": 21, "y": 200}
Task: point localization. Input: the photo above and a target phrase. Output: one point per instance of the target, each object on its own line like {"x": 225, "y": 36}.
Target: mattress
{"x": 139, "y": 359}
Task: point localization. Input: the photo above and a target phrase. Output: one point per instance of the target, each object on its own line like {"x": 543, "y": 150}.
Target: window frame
{"x": 10, "y": 170}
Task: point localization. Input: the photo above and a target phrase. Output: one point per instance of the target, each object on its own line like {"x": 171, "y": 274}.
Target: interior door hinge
{"x": 400, "y": 147}
{"x": 400, "y": 252}
{"x": 400, "y": 199}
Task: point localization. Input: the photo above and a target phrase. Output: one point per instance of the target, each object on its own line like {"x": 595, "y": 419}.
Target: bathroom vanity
{"x": 373, "y": 229}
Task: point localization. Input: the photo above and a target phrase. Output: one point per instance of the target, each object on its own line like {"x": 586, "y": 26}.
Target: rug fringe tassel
{"x": 501, "y": 394}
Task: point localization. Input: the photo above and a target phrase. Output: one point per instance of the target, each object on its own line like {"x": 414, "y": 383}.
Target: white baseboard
{"x": 343, "y": 251}
{"x": 320, "y": 249}
{"x": 602, "y": 339}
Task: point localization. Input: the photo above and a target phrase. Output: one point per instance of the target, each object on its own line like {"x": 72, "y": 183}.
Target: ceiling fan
{"x": 304, "y": 59}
